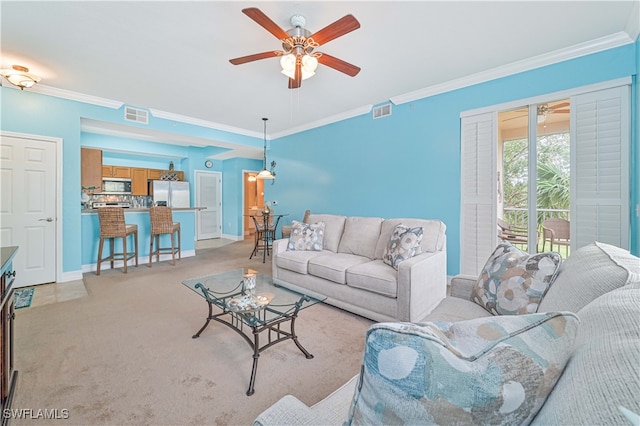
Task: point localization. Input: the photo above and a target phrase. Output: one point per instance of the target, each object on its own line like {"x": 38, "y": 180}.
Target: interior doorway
{"x": 253, "y": 201}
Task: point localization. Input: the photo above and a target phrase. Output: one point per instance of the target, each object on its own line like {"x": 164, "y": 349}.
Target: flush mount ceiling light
{"x": 20, "y": 76}
{"x": 265, "y": 174}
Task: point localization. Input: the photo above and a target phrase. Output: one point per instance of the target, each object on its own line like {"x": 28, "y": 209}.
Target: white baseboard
{"x": 142, "y": 260}
{"x": 233, "y": 237}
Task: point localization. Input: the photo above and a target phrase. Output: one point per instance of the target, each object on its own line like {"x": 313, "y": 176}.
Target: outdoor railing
{"x": 519, "y": 217}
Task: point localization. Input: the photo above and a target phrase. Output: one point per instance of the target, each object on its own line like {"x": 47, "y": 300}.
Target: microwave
{"x": 116, "y": 186}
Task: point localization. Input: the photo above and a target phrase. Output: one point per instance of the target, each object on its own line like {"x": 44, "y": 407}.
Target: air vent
{"x": 382, "y": 111}
{"x": 136, "y": 115}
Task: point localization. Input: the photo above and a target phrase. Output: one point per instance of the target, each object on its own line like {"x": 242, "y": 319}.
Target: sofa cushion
{"x": 433, "y": 234}
{"x": 333, "y": 266}
{"x": 306, "y": 236}
{"x": 374, "y": 276}
{"x": 360, "y": 236}
{"x": 494, "y": 370}
{"x": 333, "y": 228}
{"x": 603, "y": 372}
{"x": 403, "y": 244}
{"x": 297, "y": 261}
{"x": 513, "y": 282}
{"x": 589, "y": 272}
{"x": 452, "y": 309}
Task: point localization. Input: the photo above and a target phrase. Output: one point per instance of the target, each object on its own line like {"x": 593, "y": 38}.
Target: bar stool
{"x": 112, "y": 226}
{"x": 162, "y": 223}
{"x": 265, "y": 231}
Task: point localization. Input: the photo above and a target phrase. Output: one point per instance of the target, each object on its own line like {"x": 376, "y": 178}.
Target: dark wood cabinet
{"x": 8, "y": 376}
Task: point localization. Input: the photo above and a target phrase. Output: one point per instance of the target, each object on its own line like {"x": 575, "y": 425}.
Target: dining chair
{"x": 557, "y": 231}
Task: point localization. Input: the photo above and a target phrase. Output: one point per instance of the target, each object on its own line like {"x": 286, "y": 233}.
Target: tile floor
{"x": 57, "y": 292}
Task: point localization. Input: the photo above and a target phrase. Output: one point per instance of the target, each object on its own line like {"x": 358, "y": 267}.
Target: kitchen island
{"x": 137, "y": 216}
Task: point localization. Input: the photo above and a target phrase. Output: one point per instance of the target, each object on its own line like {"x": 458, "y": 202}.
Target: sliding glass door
{"x": 534, "y": 179}
{"x": 570, "y": 187}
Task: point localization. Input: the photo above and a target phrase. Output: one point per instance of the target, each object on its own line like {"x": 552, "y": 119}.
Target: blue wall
{"x": 405, "y": 165}
{"x": 35, "y": 114}
{"x": 408, "y": 164}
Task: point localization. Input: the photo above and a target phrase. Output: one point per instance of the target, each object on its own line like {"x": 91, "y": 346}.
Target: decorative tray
{"x": 247, "y": 303}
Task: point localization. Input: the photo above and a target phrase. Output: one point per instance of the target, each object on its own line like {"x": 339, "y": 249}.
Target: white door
{"x": 28, "y": 206}
{"x": 209, "y": 195}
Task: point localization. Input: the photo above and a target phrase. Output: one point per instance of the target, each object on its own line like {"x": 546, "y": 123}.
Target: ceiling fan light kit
{"x": 297, "y": 59}
{"x": 265, "y": 174}
{"x": 19, "y": 76}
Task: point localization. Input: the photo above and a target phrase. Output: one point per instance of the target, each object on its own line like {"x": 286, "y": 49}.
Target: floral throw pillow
{"x": 306, "y": 236}
{"x": 513, "y": 282}
{"x": 495, "y": 370}
{"x": 403, "y": 244}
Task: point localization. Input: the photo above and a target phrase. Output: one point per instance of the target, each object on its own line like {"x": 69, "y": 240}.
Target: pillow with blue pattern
{"x": 403, "y": 244}
{"x": 492, "y": 370}
{"x": 513, "y": 282}
{"x": 306, "y": 236}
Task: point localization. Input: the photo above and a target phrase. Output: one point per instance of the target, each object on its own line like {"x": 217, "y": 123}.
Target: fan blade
{"x": 342, "y": 26}
{"x": 265, "y": 22}
{"x": 254, "y": 57}
{"x": 338, "y": 64}
{"x": 294, "y": 83}
{"x": 514, "y": 118}
{"x": 560, "y": 111}
{"x": 560, "y": 105}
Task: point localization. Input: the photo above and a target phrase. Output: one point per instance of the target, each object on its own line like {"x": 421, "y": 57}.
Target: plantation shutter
{"x": 600, "y": 167}
{"x": 479, "y": 191}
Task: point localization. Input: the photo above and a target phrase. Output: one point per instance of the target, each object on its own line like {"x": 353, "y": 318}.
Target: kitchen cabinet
{"x": 154, "y": 174}
{"x": 91, "y": 163}
{"x": 116, "y": 171}
{"x": 8, "y": 376}
{"x": 139, "y": 181}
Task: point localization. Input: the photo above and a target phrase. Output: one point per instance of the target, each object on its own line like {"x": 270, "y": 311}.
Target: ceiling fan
{"x": 298, "y": 59}
{"x": 543, "y": 110}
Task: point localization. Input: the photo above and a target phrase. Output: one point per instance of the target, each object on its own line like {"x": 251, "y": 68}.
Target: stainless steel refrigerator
{"x": 174, "y": 194}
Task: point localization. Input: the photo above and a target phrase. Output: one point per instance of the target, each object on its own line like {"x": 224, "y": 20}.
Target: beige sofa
{"x": 350, "y": 273}
{"x": 601, "y": 284}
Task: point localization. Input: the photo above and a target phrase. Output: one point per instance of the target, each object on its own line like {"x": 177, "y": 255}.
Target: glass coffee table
{"x": 267, "y": 307}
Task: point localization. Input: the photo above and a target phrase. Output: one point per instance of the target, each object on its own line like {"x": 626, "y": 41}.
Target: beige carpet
{"x": 124, "y": 354}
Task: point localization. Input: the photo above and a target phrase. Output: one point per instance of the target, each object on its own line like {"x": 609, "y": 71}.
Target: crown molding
{"x": 75, "y": 96}
{"x": 598, "y": 45}
{"x": 323, "y": 122}
{"x": 633, "y": 25}
{"x": 204, "y": 123}
{"x": 618, "y": 39}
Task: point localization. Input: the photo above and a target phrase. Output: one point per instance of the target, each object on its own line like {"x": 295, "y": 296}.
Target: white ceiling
{"x": 173, "y": 57}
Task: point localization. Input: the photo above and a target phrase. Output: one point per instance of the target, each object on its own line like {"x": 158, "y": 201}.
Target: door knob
{"x": 49, "y": 219}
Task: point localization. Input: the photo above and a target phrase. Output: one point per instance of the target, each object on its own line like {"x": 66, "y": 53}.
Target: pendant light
{"x": 265, "y": 174}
